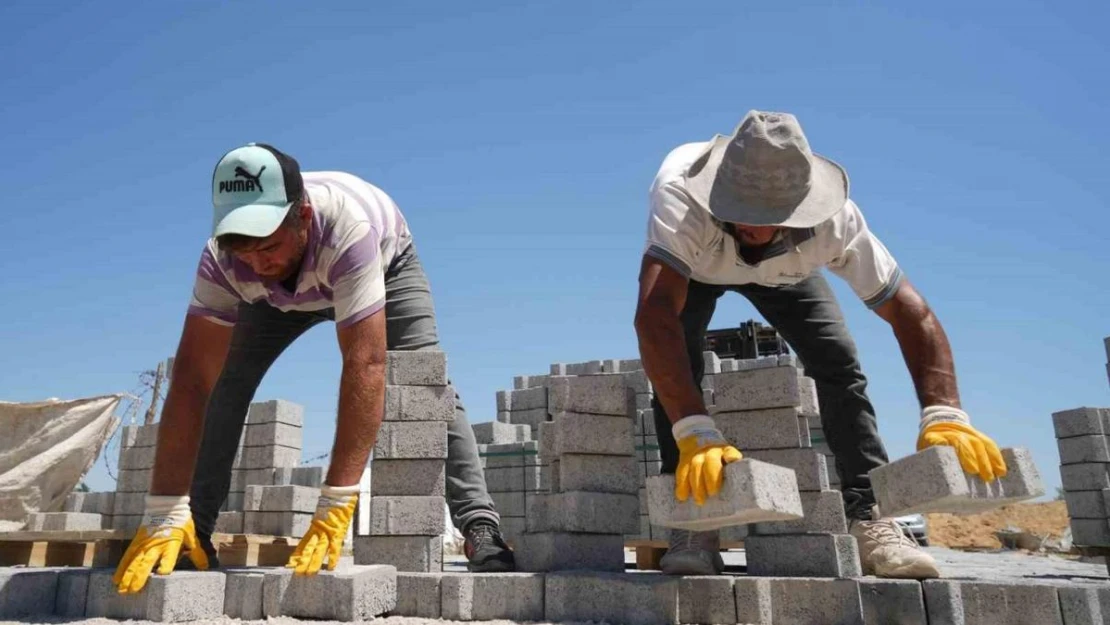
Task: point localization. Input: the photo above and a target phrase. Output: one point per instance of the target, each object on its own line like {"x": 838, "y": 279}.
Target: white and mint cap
{"x": 252, "y": 189}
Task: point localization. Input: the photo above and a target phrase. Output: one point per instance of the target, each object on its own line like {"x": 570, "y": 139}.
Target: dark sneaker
{"x": 486, "y": 551}
{"x": 186, "y": 564}
{"x": 693, "y": 553}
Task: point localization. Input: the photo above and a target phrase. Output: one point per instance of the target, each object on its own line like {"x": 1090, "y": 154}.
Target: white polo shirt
{"x": 683, "y": 234}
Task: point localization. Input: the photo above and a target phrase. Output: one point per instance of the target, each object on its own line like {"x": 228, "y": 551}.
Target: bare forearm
{"x": 663, "y": 353}
{"x": 179, "y": 435}
{"x": 361, "y": 408}
{"x": 928, "y": 357}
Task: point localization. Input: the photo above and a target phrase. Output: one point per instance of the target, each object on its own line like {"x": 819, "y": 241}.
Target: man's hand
{"x": 979, "y": 455}
{"x": 703, "y": 452}
{"x": 325, "y": 536}
{"x": 167, "y": 528}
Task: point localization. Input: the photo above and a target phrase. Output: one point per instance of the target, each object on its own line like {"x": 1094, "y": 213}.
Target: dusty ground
{"x": 977, "y": 531}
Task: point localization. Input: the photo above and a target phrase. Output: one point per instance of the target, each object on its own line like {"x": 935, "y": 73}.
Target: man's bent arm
{"x": 361, "y": 398}
{"x": 924, "y": 346}
{"x": 196, "y": 367}
{"x": 662, "y": 340}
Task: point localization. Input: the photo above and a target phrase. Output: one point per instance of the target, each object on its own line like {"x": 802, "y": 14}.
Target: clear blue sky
{"x": 520, "y": 140}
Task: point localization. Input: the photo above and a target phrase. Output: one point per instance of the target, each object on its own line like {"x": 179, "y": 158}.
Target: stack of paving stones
{"x": 271, "y": 441}
{"x": 1083, "y": 439}
{"x": 136, "y": 460}
{"x": 593, "y": 501}
{"x": 408, "y": 471}
{"x": 764, "y": 406}
{"x": 515, "y": 475}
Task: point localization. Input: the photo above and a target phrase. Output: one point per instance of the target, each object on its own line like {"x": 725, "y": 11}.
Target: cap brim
{"x": 252, "y": 220}
{"x": 826, "y": 197}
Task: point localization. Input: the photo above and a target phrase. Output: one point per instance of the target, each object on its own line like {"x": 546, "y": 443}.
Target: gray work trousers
{"x": 809, "y": 318}
{"x": 262, "y": 333}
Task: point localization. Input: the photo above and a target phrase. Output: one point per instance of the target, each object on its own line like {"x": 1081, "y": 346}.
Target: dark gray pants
{"x": 809, "y": 318}
{"x": 262, "y": 334}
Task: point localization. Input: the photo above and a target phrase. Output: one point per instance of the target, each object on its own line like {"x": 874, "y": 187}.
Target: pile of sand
{"x": 977, "y": 531}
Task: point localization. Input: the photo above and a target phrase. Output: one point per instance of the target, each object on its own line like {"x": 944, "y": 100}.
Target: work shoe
{"x": 485, "y": 549}
{"x": 693, "y": 553}
{"x": 185, "y": 564}
{"x": 886, "y": 551}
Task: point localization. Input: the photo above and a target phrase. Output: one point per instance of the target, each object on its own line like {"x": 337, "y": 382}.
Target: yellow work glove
{"x": 702, "y": 454}
{"x": 978, "y": 454}
{"x": 325, "y": 536}
{"x": 167, "y": 528}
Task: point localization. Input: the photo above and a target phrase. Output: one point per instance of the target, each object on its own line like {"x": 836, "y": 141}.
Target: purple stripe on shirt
{"x": 210, "y": 270}
{"x": 311, "y": 296}
{"x": 202, "y": 311}
{"x": 360, "y": 254}
{"x": 362, "y": 314}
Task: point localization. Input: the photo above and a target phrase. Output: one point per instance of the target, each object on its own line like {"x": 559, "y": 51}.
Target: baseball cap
{"x": 253, "y": 187}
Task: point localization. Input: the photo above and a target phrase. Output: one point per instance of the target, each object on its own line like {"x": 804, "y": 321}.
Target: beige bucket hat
{"x": 766, "y": 175}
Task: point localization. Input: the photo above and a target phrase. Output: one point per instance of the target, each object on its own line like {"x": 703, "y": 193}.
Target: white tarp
{"x": 45, "y": 449}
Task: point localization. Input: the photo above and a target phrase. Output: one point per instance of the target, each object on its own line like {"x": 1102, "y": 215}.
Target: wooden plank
{"x": 68, "y": 554}
{"x": 17, "y": 553}
{"x": 648, "y": 557}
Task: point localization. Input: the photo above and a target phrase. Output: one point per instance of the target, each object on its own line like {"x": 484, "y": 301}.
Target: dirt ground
{"x": 977, "y": 531}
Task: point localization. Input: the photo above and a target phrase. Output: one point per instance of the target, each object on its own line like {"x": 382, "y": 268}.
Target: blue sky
{"x": 520, "y": 138}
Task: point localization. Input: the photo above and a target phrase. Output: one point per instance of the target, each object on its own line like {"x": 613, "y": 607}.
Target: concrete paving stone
{"x": 133, "y": 481}
{"x": 136, "y": 458}
{"x": 511, "y": 479}
{"x": 753, "y": 600}
{"x": 426, "y": 367}
{"x": 601, "y": 474}
{"x": 631, "y": 364}
{"x": 512, "y": 528}
{"x": 497, "y": 433}
{"x": 824, "y": 514}
{"x": 411, "y": 554}
{"x": 638, "y": 402}
{"x": 788, "y": 360}
{"x": 808, "y": 404}
{"x": 146, "y": 435}
{"x": 511, "y": 504}
{"x": 558, "y": 368}
{"x": 735, "y": 533}
{"x": 545, "y": 436}
{"x": 268, "y": 457}
{"x": 708, "y": 399}
{"x": 707, "y": 599}
{"x": 234, "y": 501}
{"x": 951, "y": 602}
{"x": 181, "y": 596}
{"x": 492, "y": 596}
{"x": 752, "y": 491}
{"x": 418, "y": 595}
{"x": 579, "y": 511}
{"x": 127, "y": 436}
{"x": 648, "y": 452}
{"x": 1086, "y": 476}
{"x": 728, "y": 365}
{"x": 648, "y": 416}
{"x": 816, "y": 601}
{"x": 293, "y": 524}
{"x": 1085, "y": 606}
{"x": 558, "y": 551}
{"x": 1090, "y": 532}
{"x": 308, "y": 476}
{"x": 242, "y": 478}
{"x": 27, "y": 592}
{"x": 593, "y": 394}
{"x": 524, "y": 399}
{"x": 513, "y": 455}
{"x": 770, "y": 428}
{"x": 419, "y": 403}
{"x": 531, "y": 418}
{"x": 626, "y": 598}
{"x": 400, "y": 440}
{"x": 243, "y": 594}
{"x": 289, "y": 498}
{"x": 72, "y": 593}
{"x": 252, "y": 498}
{"x": 406, "y": 516}
{"x": 810, "y": 468}
{"x": 75, "y": 502}
{"x": 230, "y": 522}
{"x": 278, "y": 410}
{"x": 1086, "y": 504}
{"x": 522, "y": 382}
{"x": 932, "y": 480}
{"x": 711, "y": 361}
{"x": 1078, "y": 422}
{"x": 129, "y": 504}
{"x": 892, "y": 602}
{"x": 590, "y": 367}
{"x": 804, "y": 437}
{"x": 636, "y": 383}
{"x": 282, "y": 434}
{"x": 1077, "y": 449}
{"x": 803, "y": 555}
{"x": 126, "y": 523}
{"x": 357, "y": 593}
{"x": 62, "y": 521}
{"x": 504, "y": 416}
{"x": 592, "y": 434}
{"x": 755, "y": 389}
{"x": 408, "y": 477}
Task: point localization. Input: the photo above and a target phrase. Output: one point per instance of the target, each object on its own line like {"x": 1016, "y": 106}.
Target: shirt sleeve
{"x": 863, "y": 261}
{"x": 357, "y": 276}
{"x": 213, "y": 296}
{"x": 676, "y": 229}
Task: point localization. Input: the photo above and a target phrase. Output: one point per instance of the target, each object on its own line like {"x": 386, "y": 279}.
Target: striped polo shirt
{"x": 356, "y": 232}
{"x": 684, "y": 235}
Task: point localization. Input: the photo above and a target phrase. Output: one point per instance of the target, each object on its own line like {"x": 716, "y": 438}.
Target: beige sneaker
{"x": 884, "y": 551}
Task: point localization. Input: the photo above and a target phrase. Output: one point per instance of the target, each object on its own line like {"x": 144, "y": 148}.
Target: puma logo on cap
{"x": 252, "y": 182}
